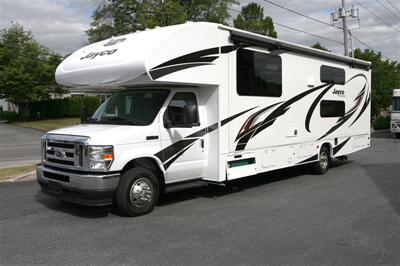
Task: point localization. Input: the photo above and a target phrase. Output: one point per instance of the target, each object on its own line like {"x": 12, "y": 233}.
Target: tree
{"x": 320, "y": 47}
{"x": 26, "y": 68}
{"x": 117, "y": 17}
{"x": 252, "y": 18}
{"x": 385, "y": 78}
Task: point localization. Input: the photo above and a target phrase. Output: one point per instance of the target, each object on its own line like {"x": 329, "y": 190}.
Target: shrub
{"x": 8, "y": 116}
{"x": 381, "y": 122}
{"x": 47, "y": 109}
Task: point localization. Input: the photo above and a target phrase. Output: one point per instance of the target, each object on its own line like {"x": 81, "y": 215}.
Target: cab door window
{"x": 182, "y": 111}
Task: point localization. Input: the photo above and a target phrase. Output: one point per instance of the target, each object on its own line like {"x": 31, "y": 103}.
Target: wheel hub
{"x": 323, "y": 160}
{"x": 141, "y": 192}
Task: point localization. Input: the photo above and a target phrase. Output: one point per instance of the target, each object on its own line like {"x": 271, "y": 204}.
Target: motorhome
{"x": 395, "y": 113}
{"x": 201, "y": 101}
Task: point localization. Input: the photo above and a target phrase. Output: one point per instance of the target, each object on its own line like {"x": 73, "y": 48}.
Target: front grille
{"x": 63, "y": 154}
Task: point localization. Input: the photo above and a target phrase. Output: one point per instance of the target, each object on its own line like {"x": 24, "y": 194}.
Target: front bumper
{"x": 81, "y": 188}
{"x": 395, "y": 127}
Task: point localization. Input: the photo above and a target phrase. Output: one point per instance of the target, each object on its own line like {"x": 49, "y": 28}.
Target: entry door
{"x": 183, "y": 151}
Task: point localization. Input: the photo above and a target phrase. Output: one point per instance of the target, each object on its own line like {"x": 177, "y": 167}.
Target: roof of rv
{"x": 131, "y": 58}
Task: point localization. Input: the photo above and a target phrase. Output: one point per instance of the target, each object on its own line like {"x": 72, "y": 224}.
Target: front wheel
{"x": 137, "y": 192}
{"x": 398, "y": 135}
{"x": 321, "y": 166}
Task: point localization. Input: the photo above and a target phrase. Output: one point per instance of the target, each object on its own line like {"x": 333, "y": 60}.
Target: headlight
{"x": 100, "y": 157}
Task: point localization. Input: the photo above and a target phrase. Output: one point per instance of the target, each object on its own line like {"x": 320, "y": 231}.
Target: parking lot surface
{"x": 351, "y": 215}
{"x": 19, "y": 145}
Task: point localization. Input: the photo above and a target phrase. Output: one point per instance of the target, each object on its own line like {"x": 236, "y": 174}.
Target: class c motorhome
{"x": 201, "y": 101}
{"x": 395, "y": 113}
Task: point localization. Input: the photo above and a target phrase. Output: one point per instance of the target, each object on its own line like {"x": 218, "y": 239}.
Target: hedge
{"x": 8, "y": 116}
{"x": 60, "y": 108}
{"x": 381, "y": 122}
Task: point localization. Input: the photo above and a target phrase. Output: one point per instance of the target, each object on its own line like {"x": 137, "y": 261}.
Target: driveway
{"x": 350, "y": 216}
{"x": 19, "y": 145}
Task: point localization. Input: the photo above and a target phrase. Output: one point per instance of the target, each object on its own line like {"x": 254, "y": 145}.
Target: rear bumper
{"x": 80, "y": 188}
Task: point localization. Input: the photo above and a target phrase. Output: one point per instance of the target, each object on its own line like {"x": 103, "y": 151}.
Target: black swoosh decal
{"x": 178, "y": 148}
{"x": 353, "y": 110}
{"x": 199, "y": 58}
{"x": 214, "y": 126}
{"x": 165, "y": 154}
{"x": 248, "y": 124}
{"x": 189, "y": 58}
{"x": 314, "y": 105}
{"x": 366, "y": 103}
{"x": 173, "y": 159}
{"x": 158, "y": 73}
{"x": 270, "y": 120}
{"x": 340, "y": 146}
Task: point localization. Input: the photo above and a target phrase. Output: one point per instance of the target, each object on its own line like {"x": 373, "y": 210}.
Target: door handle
{"x": 202, "y": 143}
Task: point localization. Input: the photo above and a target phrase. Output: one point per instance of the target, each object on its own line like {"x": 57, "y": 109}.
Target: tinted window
{"x": 182, "y": 110}
{"x": 333, "y": 75}
{"x": 396, "y": 104}
{"x": 332, "y": 108}
{"x": 258, "y": 74}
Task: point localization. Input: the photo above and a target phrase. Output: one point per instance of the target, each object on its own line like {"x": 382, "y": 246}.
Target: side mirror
{"x": 83, "y": 114}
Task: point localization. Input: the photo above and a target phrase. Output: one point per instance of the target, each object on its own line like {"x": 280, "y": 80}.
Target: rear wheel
{"x": 321, "y": 166}
{"x": 398, "y": 135}
{"x": 137, "y": 192}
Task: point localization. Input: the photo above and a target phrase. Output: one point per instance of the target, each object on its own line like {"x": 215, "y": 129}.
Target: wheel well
{"x": 329, "y": 147}
{"x": 148, "y": 163}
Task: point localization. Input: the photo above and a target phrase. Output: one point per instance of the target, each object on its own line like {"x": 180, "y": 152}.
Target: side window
{"x": 258, "y": 74}
{"x": 333, "y": 75}
{"x": 332, "y": 108}
{"x": 182, "y": 111}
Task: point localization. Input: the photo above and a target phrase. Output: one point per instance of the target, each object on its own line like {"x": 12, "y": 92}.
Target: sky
{"x": 61, "y": 24}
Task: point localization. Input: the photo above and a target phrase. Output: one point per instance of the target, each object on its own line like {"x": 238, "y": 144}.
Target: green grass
{"x": 50, "y": 124}
{"x": 12, "y": 172}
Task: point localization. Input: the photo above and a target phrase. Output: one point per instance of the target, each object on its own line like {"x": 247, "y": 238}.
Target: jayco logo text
{"x": 93, "y": 55}
{"x": 338, "y": 92}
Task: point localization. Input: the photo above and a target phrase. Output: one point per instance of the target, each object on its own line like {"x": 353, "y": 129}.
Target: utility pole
{"x": 345, "y": 30}
{"x": 343, "y": 14}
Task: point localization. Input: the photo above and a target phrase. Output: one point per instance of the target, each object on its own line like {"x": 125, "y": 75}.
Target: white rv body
{"x": 395, "y": 113}
{"x": 237, "y": 135}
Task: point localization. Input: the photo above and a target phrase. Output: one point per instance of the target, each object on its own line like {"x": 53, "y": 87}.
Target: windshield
{"x": 396, "y": 104}
{"x": 134, "y": 107}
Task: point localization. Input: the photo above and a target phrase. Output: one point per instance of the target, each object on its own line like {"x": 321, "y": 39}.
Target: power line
{"x": 381, "y": 19}
{"x": 395, "y": 8}
{"x": 298, "y": 30}
{"x": 322, "y": 22}
{"x": 387, "y": 9}
{"x": 369, "y": 47}
{"x": 312, "y": 34}
{"x": 303, "y": 15}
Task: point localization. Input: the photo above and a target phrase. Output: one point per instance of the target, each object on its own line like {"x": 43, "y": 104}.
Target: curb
{"x": 16, "y": 179}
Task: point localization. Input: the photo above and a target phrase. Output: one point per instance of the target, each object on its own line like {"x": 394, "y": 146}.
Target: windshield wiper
{"x": 91, "y": 121}
{"x": 119, "y": 121}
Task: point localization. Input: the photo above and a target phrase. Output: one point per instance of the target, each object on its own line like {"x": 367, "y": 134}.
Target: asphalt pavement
{"x": 349, "y": 216}
{"x": 19, "y": 145}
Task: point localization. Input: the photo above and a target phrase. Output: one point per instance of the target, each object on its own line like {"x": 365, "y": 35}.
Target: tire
{"x": 321, "y": 166}
{"x": 138, "y": 192}
{"x": 398, "y": 135}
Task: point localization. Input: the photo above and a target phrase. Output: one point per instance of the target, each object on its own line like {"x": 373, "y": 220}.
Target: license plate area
{"x": 55, "y": 187}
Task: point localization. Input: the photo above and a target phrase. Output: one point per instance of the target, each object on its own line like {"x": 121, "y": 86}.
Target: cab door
{"x": 183, "y": 151}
